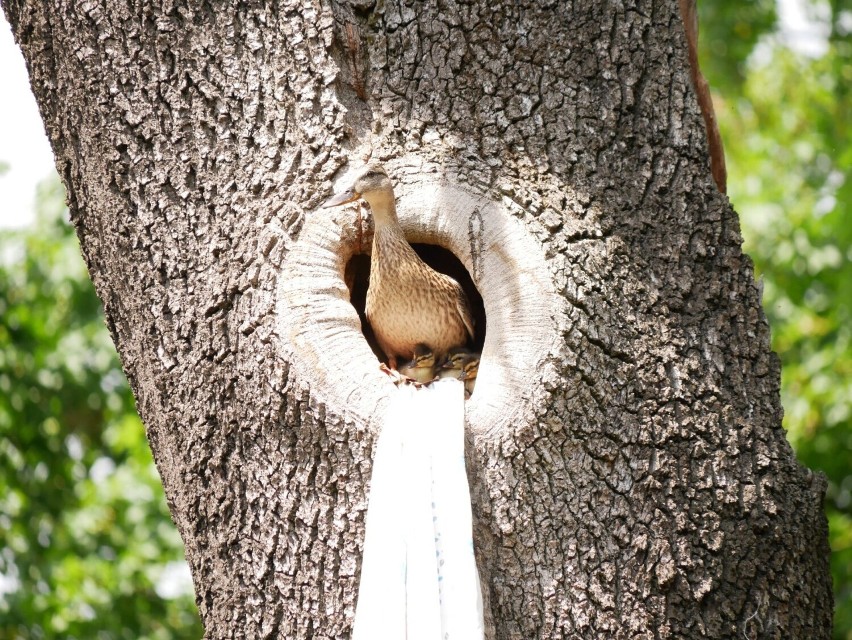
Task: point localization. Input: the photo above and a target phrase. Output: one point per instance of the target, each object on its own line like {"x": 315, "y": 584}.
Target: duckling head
{"x": 372, "y": 185}
{"x": 470, "y": 368}
{"x": 423, "y": 356}
{"x": 457, "y": 359}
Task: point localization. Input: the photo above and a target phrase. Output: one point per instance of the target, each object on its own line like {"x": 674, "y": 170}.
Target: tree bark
{"x": 629, "y": 474}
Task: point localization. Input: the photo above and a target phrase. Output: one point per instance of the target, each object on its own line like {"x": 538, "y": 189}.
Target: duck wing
{"x": 462, "y": 306}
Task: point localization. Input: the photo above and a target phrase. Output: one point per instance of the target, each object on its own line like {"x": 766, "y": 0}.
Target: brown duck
{"x": 408, "y": 302}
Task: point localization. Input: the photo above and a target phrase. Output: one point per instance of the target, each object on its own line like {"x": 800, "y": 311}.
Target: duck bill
{"x": 350, "y": 195}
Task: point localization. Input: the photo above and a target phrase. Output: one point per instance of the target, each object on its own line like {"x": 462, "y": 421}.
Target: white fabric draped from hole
{"x": 418, "y": 575}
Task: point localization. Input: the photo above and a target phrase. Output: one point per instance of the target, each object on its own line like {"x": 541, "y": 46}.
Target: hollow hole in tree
{"x": 357, "y": 277}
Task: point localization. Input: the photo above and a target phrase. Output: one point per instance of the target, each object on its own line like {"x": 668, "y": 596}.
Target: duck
{"x": 408, "y": 302}
{"x": 461, "y": 364}
{"x": 420, "y": 369}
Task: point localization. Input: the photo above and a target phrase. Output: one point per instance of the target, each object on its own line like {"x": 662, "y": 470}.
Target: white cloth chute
{"x": 418, "y": 576}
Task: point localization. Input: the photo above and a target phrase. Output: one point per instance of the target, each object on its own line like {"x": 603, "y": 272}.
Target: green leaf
{"x": 85, "y": 531}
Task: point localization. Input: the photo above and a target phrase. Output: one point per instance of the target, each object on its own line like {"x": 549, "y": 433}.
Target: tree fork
{"x": 629, "y": 474}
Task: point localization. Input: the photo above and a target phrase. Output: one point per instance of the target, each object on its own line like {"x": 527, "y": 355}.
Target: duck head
{"x": 371, "y": 185}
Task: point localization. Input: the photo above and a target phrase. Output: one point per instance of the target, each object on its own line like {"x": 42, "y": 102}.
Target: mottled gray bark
{"x": 630, "y": 475}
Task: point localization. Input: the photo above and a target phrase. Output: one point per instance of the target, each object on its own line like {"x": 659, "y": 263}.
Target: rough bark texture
{"x": 640, "y": 487}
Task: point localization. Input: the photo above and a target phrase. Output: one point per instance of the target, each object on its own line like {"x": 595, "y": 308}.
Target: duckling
{"x": 468, "y": 375}
{"x": 461, "y": 364}
{"x": 456, "y": 358}
{"x": 408, "y": 302}
{"x": 422, "y": 368}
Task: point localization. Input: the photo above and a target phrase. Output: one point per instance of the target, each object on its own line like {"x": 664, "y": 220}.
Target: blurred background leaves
{"x": 87, "y": 549}
{"x": 782, "y": 96}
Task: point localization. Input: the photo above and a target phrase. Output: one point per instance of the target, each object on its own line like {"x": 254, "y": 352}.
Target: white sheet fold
{"x": 418, "y": 575}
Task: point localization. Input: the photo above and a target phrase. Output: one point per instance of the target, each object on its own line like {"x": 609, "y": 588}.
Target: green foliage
{"x": 729, "y": 32}
{"x": 85, "y": 535}
{"x": 786, "y": 125}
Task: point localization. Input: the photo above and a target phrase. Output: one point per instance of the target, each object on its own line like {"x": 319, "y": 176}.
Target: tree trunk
{"x": 629, "y": 474}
